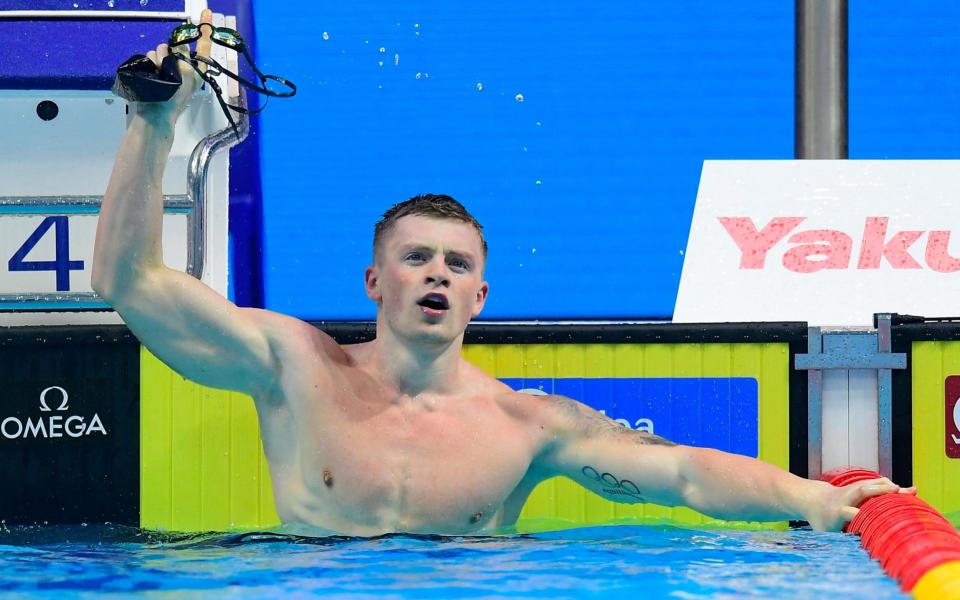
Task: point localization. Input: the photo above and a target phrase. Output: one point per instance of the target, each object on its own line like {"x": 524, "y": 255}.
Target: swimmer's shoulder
{"x": 547, "y": 412}
{"x": 292, "y": 338}
{"x": 526, "y": 405}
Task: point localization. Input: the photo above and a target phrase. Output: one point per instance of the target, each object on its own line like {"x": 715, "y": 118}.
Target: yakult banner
{"x": 828, "y": 242}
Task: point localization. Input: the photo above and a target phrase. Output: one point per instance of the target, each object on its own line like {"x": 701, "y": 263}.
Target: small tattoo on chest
{"x": 328, "y": 478}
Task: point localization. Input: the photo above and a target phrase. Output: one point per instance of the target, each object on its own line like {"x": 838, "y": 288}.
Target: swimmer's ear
{"x": 481, "y": 298}
{"x": 371, "y": 282}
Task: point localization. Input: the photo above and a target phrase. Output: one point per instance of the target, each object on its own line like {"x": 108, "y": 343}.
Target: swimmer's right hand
{"x": 169, "y": 111}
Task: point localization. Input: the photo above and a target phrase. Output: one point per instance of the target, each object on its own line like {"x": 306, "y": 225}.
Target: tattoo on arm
{"x": 609, "y": 484}
{"x": 594, "y": 423}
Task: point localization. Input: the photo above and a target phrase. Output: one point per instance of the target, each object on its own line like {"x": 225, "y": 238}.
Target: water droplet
{"x": 75, "y": 5}
{"x": 110, "y": 3}
{"x": 417, "y": 33}
{"x": 396, "y": 59}
{"x": 479, "y": 87}
{"x": 418, "y": 75}
{"x": 519, "y": 97}
{"x": 538, "y": 123}
{"x": 533, "y": 250}
{"x": 380, "y": 63}
{"x": 416, "y": 25}
{"x": 524, "y": 148}
{"x": 326, "y": 36}
{"x": 426, "y": 75}
{"x": 144, "y": 2}
{"x": 382, "y": 49}
{"x": 537, "y": 182}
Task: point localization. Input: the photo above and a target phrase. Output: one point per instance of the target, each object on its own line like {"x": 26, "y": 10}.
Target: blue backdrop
{"x": 574, "y": 131}
{"x": 711, "y": 412}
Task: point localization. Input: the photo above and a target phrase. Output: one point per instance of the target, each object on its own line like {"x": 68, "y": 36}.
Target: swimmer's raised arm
{"x": 630, "y": 466}
{"x": 193, "y": 329}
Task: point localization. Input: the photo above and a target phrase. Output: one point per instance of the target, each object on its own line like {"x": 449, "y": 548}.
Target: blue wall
{"x": 587, "y": 186}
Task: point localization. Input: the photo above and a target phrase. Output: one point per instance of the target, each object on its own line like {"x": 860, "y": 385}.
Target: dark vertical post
{"x": 821, "y": 79}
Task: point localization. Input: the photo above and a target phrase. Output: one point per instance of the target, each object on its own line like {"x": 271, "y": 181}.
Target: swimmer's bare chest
{"x": 345, "y": 458}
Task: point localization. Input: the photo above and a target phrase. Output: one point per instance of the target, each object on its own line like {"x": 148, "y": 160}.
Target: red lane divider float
{"x": 915, "y": 544}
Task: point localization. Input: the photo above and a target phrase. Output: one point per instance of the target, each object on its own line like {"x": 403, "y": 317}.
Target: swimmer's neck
{"x": 412, "y": 369}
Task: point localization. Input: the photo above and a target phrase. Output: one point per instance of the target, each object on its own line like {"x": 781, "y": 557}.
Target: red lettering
{"x": 818, "y": 249}
{"x": 874, "y": 246}
{"x": 755, "y": 244}
{"x": 834, "y": 246}
{"x": 937, "y": 256}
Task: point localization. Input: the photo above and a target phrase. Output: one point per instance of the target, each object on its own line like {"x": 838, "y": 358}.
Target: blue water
{"x": 652, "y": 561}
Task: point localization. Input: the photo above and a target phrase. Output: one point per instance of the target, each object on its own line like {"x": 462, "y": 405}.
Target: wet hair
{"x": 437, "y": 206}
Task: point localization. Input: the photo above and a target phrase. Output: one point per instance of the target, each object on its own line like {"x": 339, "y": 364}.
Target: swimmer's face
{"x": 427, "y": 279}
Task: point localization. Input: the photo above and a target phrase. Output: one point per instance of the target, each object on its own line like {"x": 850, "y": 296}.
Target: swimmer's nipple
{"x": 327, "y": 478}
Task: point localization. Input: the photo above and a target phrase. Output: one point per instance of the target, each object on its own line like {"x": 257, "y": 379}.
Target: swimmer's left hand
{"x": 170, "y": 110}
{"x": 830, "y": 507}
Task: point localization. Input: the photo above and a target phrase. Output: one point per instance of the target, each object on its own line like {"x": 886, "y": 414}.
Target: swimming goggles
{"x": 139, "y": 80}
{"x": 229, "y": 38}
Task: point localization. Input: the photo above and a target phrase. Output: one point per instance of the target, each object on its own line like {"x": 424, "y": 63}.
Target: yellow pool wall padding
{"x": 203, "y": 468}
{"x": 936, "y": 476}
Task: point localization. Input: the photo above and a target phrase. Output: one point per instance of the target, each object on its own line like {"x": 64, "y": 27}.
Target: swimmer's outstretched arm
{"x": 193, "y": 329}
{"x": 632, "y": 466}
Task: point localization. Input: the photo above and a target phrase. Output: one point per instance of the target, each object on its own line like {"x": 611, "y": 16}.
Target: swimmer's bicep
{"x": 197, "y": 332}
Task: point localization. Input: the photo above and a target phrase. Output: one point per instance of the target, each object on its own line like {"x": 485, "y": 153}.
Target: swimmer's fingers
{"x": 861, "y": 491}
{"x": 203, "y": 44}
{"x": 159, "y": 54}
{"x": 849, "y": 512}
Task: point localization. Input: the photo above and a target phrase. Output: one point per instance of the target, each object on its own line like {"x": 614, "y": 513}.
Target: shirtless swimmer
{"x": 401, "y": 434}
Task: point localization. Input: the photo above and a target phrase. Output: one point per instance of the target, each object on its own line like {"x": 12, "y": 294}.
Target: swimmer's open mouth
{"x": 434, "y": 302}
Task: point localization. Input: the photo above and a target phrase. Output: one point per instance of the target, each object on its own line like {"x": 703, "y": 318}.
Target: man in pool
{"x": 401, "y": 434}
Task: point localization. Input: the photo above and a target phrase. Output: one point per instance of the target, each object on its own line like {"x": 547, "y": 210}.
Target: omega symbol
{"x": 956, "y": 418}
{"x": 63, "y": 402}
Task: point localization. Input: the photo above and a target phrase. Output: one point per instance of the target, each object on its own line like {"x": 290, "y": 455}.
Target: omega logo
{"x": 54, "y": 425}
{"x": 956, "y": 419}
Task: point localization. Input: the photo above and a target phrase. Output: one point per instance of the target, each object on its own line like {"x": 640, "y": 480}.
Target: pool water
{"x": 653, "y": 561}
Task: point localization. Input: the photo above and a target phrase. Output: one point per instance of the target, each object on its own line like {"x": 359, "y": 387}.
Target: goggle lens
{"x": 185, "y": 33}
{"x": 227, "y": 37}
